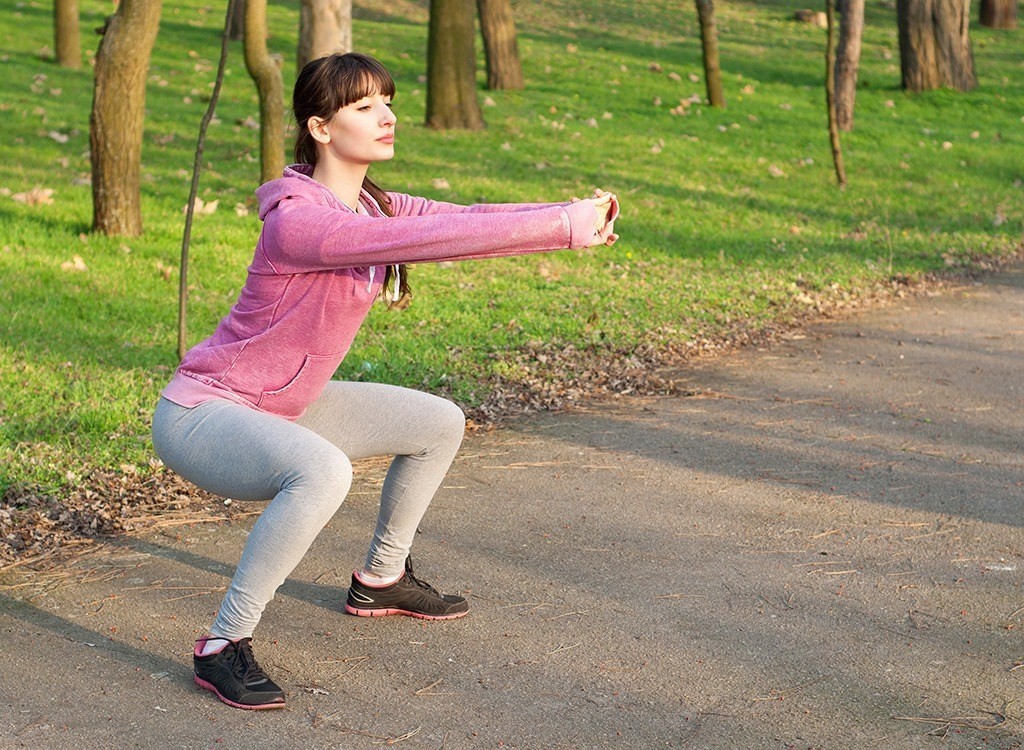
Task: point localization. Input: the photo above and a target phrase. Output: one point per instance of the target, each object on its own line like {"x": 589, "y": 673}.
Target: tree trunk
{"x": 266, "y": 72}
{"x": 935, "y": 44}
{"x": 325, "y": 27}
{"x": 999, "y": 14}
{"x": 65, "y": 34}
{"x": 236, "y": 24}
{"x": 709, "y": 43}
{"x": 830, "y": 99}
{"x": 498, "y": 28}
{"x": 451, "y": 67}
{"x": 118, "y": 107}
{"x": 851, "y": 31}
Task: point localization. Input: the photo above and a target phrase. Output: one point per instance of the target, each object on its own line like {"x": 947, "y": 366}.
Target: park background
{"x": 733, "y": 228}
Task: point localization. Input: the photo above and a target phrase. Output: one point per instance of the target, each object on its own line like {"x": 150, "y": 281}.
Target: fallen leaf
{"x": 241, "y": 209}
{"x": 75, "y": 264}
{"x": 165, "y": 271}
{"x": 202, "y": 207}
{"x": 37, "y": 196}
{"x": 775, "y": 171}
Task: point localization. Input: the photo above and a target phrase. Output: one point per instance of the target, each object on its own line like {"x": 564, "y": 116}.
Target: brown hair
{"x": 324, "y": 86}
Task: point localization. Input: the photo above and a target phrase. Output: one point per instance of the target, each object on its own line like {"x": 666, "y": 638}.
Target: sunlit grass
{"x": 725, "y": 212}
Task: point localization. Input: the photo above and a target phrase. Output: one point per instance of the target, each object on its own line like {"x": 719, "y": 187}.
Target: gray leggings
{"x": 304, "y": 468}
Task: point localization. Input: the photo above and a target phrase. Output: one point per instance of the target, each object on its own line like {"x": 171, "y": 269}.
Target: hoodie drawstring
{"x": 396, "y": 291}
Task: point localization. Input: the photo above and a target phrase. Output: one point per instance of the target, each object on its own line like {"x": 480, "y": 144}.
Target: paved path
{"x": 822, "y": 550}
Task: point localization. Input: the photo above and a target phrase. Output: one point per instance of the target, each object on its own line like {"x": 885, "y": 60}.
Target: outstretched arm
{"x": 300, "y": 235}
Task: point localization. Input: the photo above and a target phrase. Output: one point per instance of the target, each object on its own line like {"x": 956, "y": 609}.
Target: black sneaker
{"x": 233, "y": 675}
{"x": 406, "y": 596}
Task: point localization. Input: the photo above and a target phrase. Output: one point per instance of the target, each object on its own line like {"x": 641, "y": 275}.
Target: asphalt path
{"x": 820, "y": 547}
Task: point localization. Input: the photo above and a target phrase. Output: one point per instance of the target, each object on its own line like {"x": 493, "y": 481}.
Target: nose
{"x": 387, "y": 117}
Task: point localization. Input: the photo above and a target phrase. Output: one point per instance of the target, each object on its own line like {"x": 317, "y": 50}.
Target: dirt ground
{"x": 821, "y": 549}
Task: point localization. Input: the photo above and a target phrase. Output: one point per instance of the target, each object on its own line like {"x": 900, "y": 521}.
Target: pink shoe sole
{"x": 384, "y": 612}
{"x": 209, "y": 686}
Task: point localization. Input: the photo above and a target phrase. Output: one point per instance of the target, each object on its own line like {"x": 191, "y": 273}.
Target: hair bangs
{"x": 366, "y": 78}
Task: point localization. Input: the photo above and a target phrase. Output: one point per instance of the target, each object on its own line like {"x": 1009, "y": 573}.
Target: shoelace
{"x": 420, "y": 584}
{"x": 246, "y": 668}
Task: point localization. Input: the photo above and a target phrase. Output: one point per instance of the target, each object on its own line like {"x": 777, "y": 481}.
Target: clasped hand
{"x": 605, "y": 213}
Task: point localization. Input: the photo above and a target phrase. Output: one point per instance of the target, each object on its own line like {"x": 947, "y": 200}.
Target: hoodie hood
{"x": 297, "y": 181}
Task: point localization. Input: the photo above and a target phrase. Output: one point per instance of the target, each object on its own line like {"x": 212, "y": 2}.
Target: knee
{"x": 327, "y": 471}
{"x": 452, "y": 422}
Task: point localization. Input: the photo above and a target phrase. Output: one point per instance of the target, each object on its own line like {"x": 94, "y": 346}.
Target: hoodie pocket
{"x": 291, "y": 400}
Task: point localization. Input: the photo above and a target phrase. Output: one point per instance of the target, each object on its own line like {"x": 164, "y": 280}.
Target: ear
{"x": 318, "y": 129}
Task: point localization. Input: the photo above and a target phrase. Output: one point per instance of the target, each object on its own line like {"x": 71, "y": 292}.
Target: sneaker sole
{"x": 212, "y": 688}
{"x": 385, "y": 612}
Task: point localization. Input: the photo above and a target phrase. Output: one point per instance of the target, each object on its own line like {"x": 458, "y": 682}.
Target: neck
{"x": 344, "y": 180}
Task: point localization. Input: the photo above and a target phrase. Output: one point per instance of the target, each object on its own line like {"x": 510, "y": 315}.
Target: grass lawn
{"x": 731, "y": 218}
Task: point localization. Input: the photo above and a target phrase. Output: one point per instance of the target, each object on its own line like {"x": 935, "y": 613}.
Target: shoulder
{"x": 285, "y": 190}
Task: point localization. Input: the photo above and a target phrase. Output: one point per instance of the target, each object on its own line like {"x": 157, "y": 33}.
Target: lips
{"x": 388, "y": 139}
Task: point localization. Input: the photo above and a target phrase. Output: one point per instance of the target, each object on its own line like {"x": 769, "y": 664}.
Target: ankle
{"x": 375, "y": 580}
{"x": 211, "y": 644}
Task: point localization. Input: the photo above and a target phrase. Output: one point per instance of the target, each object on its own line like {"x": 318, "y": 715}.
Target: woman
{"x": 252, "y": 413}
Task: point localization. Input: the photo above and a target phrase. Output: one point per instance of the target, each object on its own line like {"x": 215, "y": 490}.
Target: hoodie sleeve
{"x": 411, "y": 205}
{"x": 301, "y": 235}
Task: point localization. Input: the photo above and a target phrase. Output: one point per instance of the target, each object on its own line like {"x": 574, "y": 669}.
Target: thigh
{"x": 376, "y": 419}
{"x": 237, "y": 452}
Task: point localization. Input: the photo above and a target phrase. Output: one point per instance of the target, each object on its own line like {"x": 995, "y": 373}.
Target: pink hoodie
{"x": 318, "y": 268}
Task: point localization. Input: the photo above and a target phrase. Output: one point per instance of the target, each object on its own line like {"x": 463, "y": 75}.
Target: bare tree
{"x": 830, "y": 87}
{"x": 229, "y": 19}
{"x": 325, "y": 26}
{"x": 66, "y": 39}
{"x": 451, "y": 67}
{"x": 709, "y": 44}
{"x": 498, "y": 28}
{"x": 851, "y": 31}
{"x": 236, "y": 23}
{"x": 935, "y": 44}
{"x": 999, "y": 14}
{"x": 118, "y": 107}
{"x": 266, "y": 72}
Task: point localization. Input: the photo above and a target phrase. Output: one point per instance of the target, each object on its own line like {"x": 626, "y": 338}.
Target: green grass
{"x": 710, "y": 239}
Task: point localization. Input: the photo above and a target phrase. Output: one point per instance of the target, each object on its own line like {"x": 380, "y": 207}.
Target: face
{"x": 359, "y": 133}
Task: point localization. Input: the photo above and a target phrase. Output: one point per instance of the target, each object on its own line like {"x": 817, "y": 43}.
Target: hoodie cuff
{"x": 581, "y": 223}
